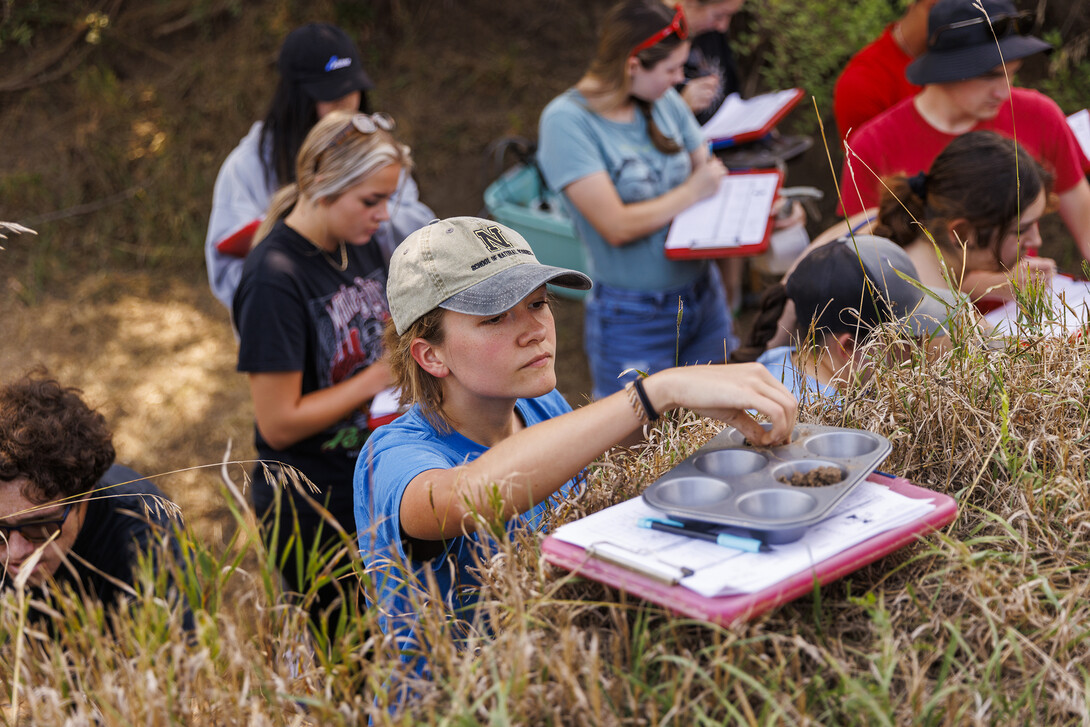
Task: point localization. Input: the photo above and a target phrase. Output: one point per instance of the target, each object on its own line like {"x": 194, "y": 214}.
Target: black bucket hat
{"x": 961, "y": 44}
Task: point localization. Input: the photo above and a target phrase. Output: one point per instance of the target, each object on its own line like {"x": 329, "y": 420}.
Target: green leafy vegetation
{"x": 1068, "y": 81}
{"x": 806, "y": 43}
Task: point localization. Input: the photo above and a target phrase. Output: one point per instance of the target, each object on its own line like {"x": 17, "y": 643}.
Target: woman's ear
{"x": 631, "y": 65}
{"x": 846, "y": 342}
{"x": 429, "y": 357}
{"x": 961, "y": 233}
{"x": 326, "y": 201}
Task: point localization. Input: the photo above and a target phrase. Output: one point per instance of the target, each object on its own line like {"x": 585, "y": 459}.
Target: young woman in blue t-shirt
{"x": 628, "y": 156}
{"x": 488, "y": 439}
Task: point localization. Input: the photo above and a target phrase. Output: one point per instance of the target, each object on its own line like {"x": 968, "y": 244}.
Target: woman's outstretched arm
{"x": 530, "y": 465}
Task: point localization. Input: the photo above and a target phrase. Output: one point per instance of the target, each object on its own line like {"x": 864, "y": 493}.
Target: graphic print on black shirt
{"x": 350, "y": 323}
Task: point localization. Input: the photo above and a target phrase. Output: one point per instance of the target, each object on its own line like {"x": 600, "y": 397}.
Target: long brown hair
{"x": 981, "y": 177}
{"x": 625, "y": 26}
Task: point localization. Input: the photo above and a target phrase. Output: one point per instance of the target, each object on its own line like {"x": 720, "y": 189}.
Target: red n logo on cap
{"x": 493, "y": 238}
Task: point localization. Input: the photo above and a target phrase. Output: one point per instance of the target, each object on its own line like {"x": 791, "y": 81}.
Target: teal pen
{"x": 749, "y": 545}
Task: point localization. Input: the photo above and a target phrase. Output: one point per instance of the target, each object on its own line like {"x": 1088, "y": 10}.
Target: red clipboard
{"x": 756, "y": 246}
{"x": 788, "y": 103}
{"x": 726, "y": 610}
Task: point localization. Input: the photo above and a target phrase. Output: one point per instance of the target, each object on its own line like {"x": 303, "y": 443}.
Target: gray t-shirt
{"x": 574, "y": 142}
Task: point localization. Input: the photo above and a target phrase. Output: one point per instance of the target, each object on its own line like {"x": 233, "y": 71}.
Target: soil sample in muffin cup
{"x": 817, "y": 477}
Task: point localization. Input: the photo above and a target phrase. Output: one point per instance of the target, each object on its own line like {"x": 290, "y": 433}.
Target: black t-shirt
{"x": 711, "y": 53}
{"x": 296, "y": 311}
{"x": 122, "y": 521}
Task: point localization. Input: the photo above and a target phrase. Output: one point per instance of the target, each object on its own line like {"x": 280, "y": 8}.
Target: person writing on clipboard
{"x": 711, "y": 71}
{"x": 712, "y": 75}
{"x": 627, "y": 155}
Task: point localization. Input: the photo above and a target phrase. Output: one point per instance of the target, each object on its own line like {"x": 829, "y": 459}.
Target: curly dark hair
{"x": 52, "y": 438}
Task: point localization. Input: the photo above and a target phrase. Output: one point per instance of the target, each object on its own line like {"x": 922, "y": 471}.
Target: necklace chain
{"x": 343, "y": 265}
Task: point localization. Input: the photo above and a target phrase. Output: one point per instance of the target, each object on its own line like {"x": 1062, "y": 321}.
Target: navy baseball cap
{"x": 863, "y": 282}
{"x": 324, "y": 61}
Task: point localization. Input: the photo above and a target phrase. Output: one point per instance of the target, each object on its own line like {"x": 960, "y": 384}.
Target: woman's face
{"x": 1024, "y": 234}
{"x": 348, "y": 102}
{"x": 648, "y": 84}
{"x": 706, "y": 17}
{"x": 356, "y": 214}
{"x": 507, "y": 356}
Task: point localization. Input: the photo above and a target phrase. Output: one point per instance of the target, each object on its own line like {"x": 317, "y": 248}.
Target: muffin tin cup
{"x": 774, "y": 493}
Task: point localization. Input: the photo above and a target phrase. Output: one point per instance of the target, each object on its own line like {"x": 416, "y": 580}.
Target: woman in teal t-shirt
{"x": 628, "y": 156}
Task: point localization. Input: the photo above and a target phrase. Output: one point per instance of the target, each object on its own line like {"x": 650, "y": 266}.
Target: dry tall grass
{"x": 983, "y": 624}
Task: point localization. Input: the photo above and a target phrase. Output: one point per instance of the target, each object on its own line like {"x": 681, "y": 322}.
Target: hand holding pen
{"x": 699, "y": 92}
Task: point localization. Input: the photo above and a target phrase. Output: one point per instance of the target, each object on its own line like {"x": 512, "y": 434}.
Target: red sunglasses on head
{"x": 677, "y": 25}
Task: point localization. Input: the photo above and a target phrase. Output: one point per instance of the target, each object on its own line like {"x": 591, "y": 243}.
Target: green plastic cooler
{"x": 517, "y": 199}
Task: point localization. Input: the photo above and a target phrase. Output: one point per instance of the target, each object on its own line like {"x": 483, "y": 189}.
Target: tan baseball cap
{"x": 467, "y": 265}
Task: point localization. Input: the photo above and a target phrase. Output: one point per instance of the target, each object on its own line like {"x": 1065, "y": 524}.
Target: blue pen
{"x": 749, "y": 545}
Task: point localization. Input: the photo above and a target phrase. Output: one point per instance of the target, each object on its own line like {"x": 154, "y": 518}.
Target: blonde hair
{"x": 417, "y": 385}
{"x": 325, "y": 169}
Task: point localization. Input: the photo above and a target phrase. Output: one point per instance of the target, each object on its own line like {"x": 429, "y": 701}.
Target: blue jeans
{"x": 633, "y": 329}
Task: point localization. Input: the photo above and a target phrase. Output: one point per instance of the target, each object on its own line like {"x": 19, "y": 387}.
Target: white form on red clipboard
{"x": 740, "y": 120}
{"x": 736, "y": 220}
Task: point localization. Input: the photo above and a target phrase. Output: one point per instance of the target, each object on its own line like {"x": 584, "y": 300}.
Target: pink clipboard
{"x": 726, "y": 610}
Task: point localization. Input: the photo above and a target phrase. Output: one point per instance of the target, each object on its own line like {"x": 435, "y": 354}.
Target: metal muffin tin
{"x": 730, "y": 482}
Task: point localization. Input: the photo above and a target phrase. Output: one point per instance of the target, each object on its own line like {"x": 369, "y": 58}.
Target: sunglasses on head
{"x": 1003, "y": 25}
{"x": 366, "y": 124}
{"x": 677, "y": 25}
{"x": 38, "y": 531}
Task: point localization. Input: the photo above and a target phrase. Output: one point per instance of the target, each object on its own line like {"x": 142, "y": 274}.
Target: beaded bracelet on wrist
{"x": 637, "y": 405}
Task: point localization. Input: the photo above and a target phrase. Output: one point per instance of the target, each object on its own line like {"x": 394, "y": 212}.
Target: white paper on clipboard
{"x": 737, "y": 116}
{"x": 1080, "y": 125}
{"x": 736, "y": 215}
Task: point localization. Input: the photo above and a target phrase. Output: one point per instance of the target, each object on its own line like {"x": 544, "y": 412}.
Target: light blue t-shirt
{"x": 779, "y": 363}
{"x": 391, "y": 458}
{"x": 574, "y": 142}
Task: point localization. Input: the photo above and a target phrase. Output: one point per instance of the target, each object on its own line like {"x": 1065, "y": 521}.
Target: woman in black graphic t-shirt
{"x": 310, "y": 309}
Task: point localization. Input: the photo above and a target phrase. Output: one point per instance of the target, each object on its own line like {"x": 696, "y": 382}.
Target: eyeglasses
{"x": 677, "y": 25}
{"x": 38, "y": 531}
{"x": 1003, "y": 25}
{"x": 366, "y": 124}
